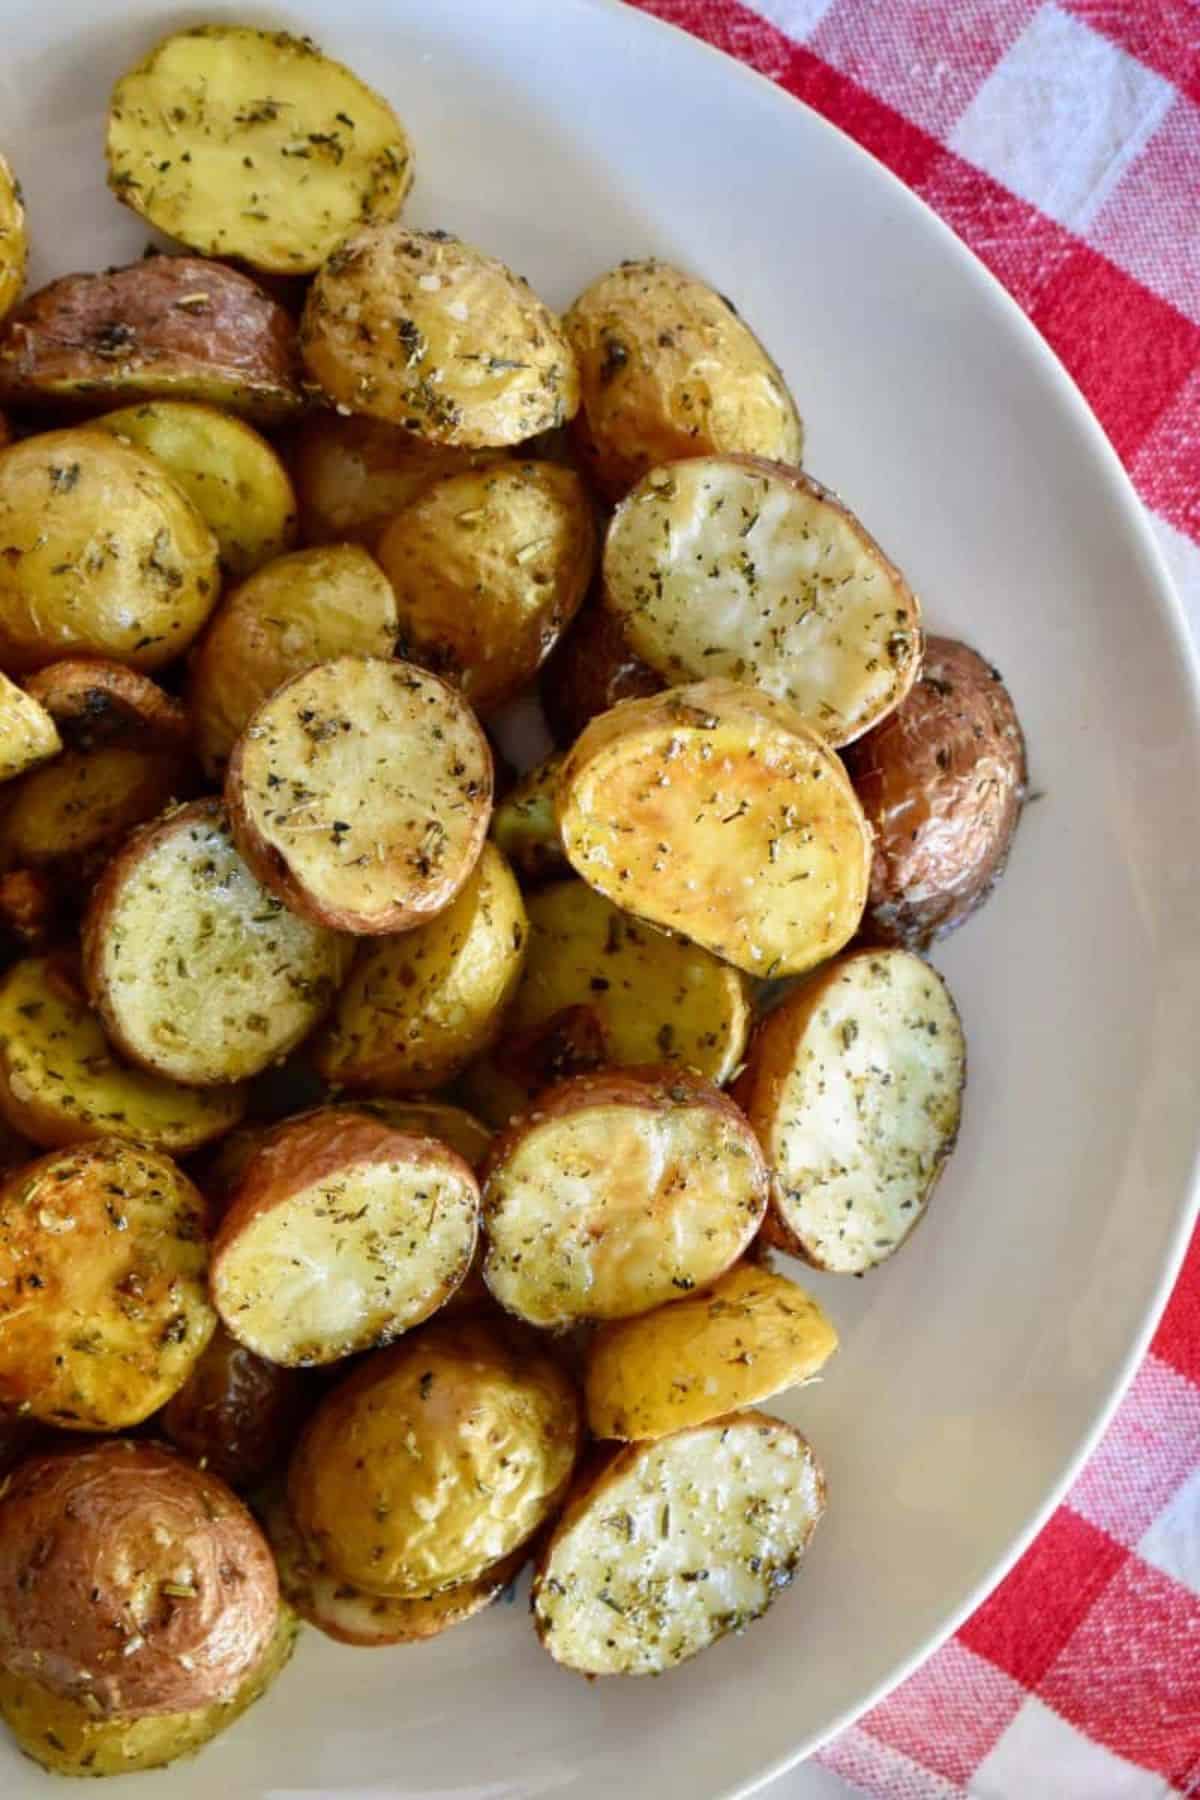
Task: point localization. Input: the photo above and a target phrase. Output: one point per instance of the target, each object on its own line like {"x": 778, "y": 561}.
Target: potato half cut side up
{"x": 360, "y": 792}
{"x": 673, "y": 1544}
{"x": 750, "y": 1335}
{"x": 103, "y": 1285}
{"x": 715, "y": 811}
{"x": 616, "y": 1192}
{"x": 437, "y": 1458}
{"x": 340, "y": 1235}
{"x": 28, "y": 734}
{"x": 732, "y": 566}
{"x": 199, "y": 972}
{"x": 854, "y": 1085}
{"x": 62, "y": 1083}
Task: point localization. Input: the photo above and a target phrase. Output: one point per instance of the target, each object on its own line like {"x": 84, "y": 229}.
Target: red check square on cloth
{"x": 1061, "y": 141}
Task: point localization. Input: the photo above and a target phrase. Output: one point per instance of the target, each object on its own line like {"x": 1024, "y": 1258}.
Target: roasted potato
{"x": 370, "y": 1621}
{"x": 592, "y": 668}
{"x": 28, "y": 735}
{"x": 854, "y": 1087}
{"x": 672, "y": 1544}
{"x": 13, "y": 245}
{"x": 61, "y": 1084}
{"x": 749, "y": 1335}
{"x": 570, "y": 1042}
{"x": 488, "y": 567}
{"x": 942, "y": 782}
{"x": 714, "y": 811}
{"x": 296, "y": 611}
{"x": 418, "y": 1007}
{"x": 360, "y": 793}
{"x": 232, "y": 476}
{"x": 732, "y": 566}
{"x": 69, "y": 1738}
{"x": 198, "y": 972}
{"x": 422, "y": 330}
{"x": 251, "y": 144}
{"x": 29, "y": 912}
{"x": 352, "y": 474}
{"x": 658, "y": 999}
{"x": 69, "y": 815}
{"x": 166, "y": 328}
{"x": 617, "y": 1192}
{"x": 436, "y": 1459}
{"x": 236, "y": 1413}
{"x": 525, "y": 824}
{"x": 101, "y": 554}
{"x": 341, "y": 1234}
{"x": 97, "y": 704}
{"x": 130, "y": 1581}
{"x": 103, "y": 1297}
{"x": 667, "y": 369}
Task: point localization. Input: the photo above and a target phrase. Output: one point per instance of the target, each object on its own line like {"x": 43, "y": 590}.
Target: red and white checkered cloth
{"x": 1062, "y": 142}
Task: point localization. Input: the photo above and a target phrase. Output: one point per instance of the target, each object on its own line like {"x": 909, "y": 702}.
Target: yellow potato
{"x": 251, "y": 144}
{"x": 419, "y": 1006}
{"x": 101, "y": 553}
{"x": 713, "y": 810}
{"x": 13, "y": 244}
{"x": 489, "y": 567}
{"x": 73, "y": 811}
{"x": 525, "y": 824}
{"x": 353, "y": 474}
{"x": 231, "y": 475}
{"x": 422, "y": 330}
{"x": 746, "y": 1337}
{"x": 28, "y": 735}
{"x": 298, "y": 610}
{"x": 436, "y": 1458}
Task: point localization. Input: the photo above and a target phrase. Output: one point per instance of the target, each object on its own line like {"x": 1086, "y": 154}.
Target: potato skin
{"x": 424, "y": 331}
{"x": 92, "y": 1541}
{"x": 475, "y": 1396}
{"x": 97, "y": 704}
{"x": 166, "y": 328}
{"x": 942, "y": 782}
{"x": 353, "y": 475}
{"x": 100, "y": 554}
{"x": 668, "y": 369}
{"x": 590, "y": 671}
{"x": 70, "y": 814}
{"x": 235, "y": 1414}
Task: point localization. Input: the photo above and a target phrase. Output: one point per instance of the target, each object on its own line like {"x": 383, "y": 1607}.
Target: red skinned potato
{"x": 130, "y": 1576}
{"x": 96, "y": 704}
{"x": 590, "y": 670}
{"x": 236, "y": 1413}
{"x": 360, "y": 793}
{"x": 616, "y": 1192}
{"x": 166, "y": 328}
{"x": 341, "y": 1234}
{"x": 942, "y": 782}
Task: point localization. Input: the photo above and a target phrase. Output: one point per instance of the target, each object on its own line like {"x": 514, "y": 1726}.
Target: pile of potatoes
{"x": 393, "y": 1148}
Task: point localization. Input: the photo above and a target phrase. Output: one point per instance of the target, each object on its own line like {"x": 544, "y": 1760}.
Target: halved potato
{"x": 732, "y": 566}
{"x": 232, "y": 476}
{"x": 252, "y": 144}
{"x": 668, "y": 369}
{"x": 69, "y": 1738}
{"x": 592, "y": 668}
{"x": 854, "y": 1086}
{"x": 296, "y": 611}
{"x": 350, "y": 1615}
{"x": 165, "y": 328}
{"x": 341, "y": 1234}
{"x": 69, "y": 815}
{"x": 749, "y": 1335}
{"x": 658, "y": 999}
{"x": 617, "y": 1192}
{"x": 236, "y": 1413}
{"x": 104, "y": 1306}
{"x": 29, "y": 912}
{"x": 100, "y": 554}
{"x": 360, "y": 792}
{"x": 96, "y": 704}
{"x": 435, "y": 1459}
{"x": 525, "y": 824}
{"x": 673, "y": 1544}
{"x": 60, "y": 1082}
{"x": 418, "y": 1007}
{"x": 198, "y": 972}
{"x": 715, "y": 811}
{"x": 422, "y": 330}
{"x": 353, "y": 474}
{"x": 488, "y": 567}
{"x": 28, "y": 735}
{"x": 14, "y": 248}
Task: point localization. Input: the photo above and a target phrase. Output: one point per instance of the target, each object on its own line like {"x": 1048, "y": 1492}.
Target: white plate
{"x": 565, "y": 135}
